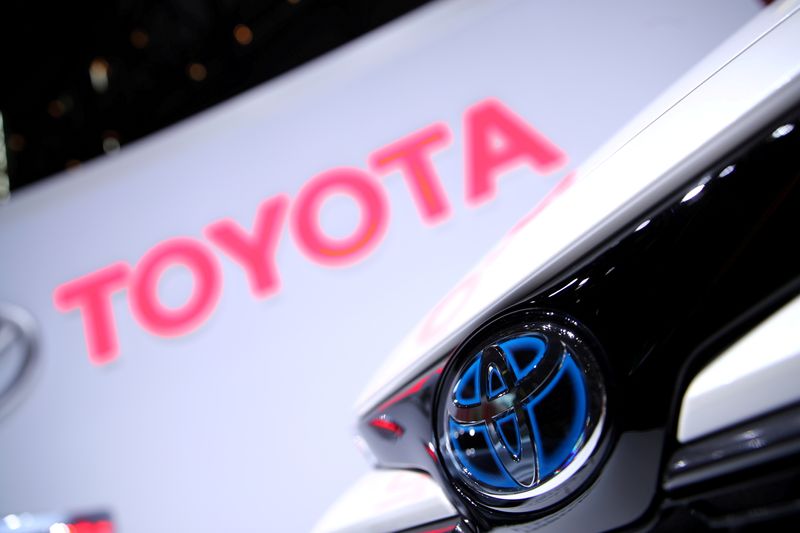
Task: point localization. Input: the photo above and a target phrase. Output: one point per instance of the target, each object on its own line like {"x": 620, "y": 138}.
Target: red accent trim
{"x": 413, "y": 389}
{"x": 86, "y": 526}
{"x": 405, "y": 394}
{"x": 431, "y": 453}
{"x": 388, "y": 425}
{"x": 441, "y": 530}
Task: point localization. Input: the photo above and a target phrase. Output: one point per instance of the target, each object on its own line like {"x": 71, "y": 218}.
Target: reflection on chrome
{"x": 565, "y": 286}
{"x": 750, "y": 434}
{"x": 692, "y": 193}
{"x": 727, "y": 170}
{"x": 786, "y": 129}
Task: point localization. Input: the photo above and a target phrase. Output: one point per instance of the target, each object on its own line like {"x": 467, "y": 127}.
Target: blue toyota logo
{"x": 517, "y": 412}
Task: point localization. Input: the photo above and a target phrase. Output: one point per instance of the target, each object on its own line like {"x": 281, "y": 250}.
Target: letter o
{"x": 144, "y": 302}
{"x": 372, "y": 203}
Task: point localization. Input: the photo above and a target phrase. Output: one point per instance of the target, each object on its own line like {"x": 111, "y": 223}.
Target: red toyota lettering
{"x": 310, "y": 237}
{"x": 255, "y": 252}
{"x": 412, "y": 156}
{"x": 143, "y": 298}
{"x": 495, "y": 140}
{"x": 91, "y": 294}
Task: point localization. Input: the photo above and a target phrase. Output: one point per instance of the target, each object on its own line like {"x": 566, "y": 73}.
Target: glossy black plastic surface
{"x": 661, "y": 298}
{"x": 765, "y": 439}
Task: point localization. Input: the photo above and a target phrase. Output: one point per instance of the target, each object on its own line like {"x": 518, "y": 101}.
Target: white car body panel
{"x": 756, "y": 375}
{"x": 387, "y": 500}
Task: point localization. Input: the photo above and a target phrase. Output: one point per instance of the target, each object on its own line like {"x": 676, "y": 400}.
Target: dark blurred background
{"x": 83, "y": 78}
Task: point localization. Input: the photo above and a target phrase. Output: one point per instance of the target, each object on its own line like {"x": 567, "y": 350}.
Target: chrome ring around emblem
{"x": 521, "y": 411}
